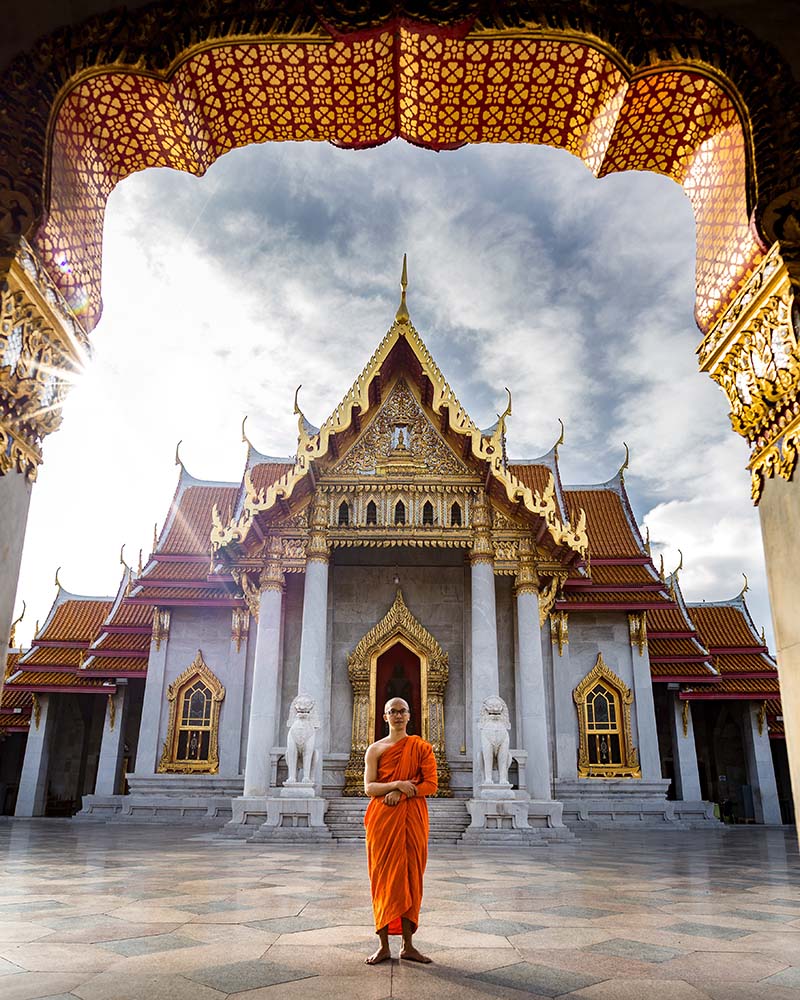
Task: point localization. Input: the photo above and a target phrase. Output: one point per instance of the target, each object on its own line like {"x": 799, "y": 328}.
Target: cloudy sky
{"x": 281, "y": 267}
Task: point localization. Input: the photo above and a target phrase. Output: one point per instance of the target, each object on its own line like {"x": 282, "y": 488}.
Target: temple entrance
{"x": 397, "y": 675}
{"x": 397, "y": 658}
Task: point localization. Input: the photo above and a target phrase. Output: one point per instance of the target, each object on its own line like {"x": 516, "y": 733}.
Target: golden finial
{"x": 647, "y": 538}
{"x": 502, "y": 417}
{"x": 661, "y": 569}
{"x": 36, "y": 628}
{"x": 245, "y": 439}
{"x": 57, "y": 581}
{"x": 12, "y": 638}
{"x": 155, "y": 536}
{"x": 763, "y": 636}
{"x": 139, "y": 568}
{"x": 401, "y": 315}
{"x": 745, "y": 588}
{"x": 178, "y": 456}
{"x": 679, "y": 567}
{"x": 122, "y": 557}
{"x": 297, "y": 409}
{"x": 625, "y": 464}
{"x": 560, "y": 441}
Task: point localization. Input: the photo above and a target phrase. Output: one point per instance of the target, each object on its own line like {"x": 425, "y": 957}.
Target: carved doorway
{"x": 398, "y": 675}
{"x": 397, "y": 654}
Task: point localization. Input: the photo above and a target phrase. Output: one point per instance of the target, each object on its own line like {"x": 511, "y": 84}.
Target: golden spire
{"x": 245, "y": 439}
{"x": 402, "y": 310}
{"x": 122, "y": 558}
{"x": 679, "y": 567}
{"x": 178, "y": 456}
{"x": 745, "y": 588}
{"x": 155, "y": 536}
{"x": 139, "y": 568}
{"x": 57, "y": 582}
{"x": 625, "y": 464}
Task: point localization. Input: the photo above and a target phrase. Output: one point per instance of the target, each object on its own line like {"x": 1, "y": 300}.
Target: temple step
{"x": 448, "y": 819}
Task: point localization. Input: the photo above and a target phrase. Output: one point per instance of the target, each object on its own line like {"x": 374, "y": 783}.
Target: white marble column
{"x": 485, "y": 672}
{"x": 684, "y": 752}
{"x": 531, "y": 696}
{"x": 266, "y": 692}
{"x": 313, "y": 642}
{"x": 112, "y": 744}
{"x": 32, "y": 797}
{"x": 148, "y": 750}
{"x": 760, "y": 768}
{"x": 15, "y": 498}
{"x": 779, "y": 511}
{"x": 645, "y": 709}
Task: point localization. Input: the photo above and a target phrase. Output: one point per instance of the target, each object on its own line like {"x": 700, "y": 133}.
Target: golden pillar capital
{"x": 527, "y": 578}
{"x": 318, "y": 549}
{"x": 42, "y": 346}
{"x": 752, "y": 353}
{"x": 482, "y": 549}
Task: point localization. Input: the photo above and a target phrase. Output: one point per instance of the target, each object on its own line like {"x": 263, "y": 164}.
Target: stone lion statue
{"x": 494, "y": 726}
{"x": 303, "y": 724}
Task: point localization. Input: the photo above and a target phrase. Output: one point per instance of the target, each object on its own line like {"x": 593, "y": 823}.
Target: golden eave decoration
{"x": 314, "y": 445}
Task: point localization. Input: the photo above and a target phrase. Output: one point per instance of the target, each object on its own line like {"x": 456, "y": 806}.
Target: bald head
{"x": 396, "y": 703}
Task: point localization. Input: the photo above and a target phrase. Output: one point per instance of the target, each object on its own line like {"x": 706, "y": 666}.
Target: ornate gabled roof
{"x": 188, "y": 522}
{"x": 614, "y": 531}
{"x": 71, "y": 624}
{"x": 401, "y": 351}
{"x": 535, "y": 473}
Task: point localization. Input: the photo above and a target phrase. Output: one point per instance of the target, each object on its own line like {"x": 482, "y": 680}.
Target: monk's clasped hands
{"x": 408, "y": 788}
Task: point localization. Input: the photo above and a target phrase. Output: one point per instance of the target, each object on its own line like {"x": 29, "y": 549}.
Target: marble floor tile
{"x": 32, "y": 985}
{"x": 240, "y": 976}
{"x": 542, "y": 979}
{"x": 640, "y": 989}
{"x": 149, "y": 945}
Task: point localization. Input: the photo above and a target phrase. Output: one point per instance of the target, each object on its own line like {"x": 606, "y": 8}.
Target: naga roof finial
{"x": 245, "y": 439}
{"x": 12, "y": 637}
{"x": 560, "y": 441}
{"x": 679, "y": 567}
{"x": 625, "y": 464}
{"x": 745, "y": 588}
{"x": 122, "y": 557}
{"x": 402, "y": 310}
{"x": 502, "y": 417}
{"x": 57, "y": 582}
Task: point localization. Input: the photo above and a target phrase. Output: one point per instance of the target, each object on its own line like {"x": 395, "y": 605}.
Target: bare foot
{"x": 380, "y": 956}
{"x": 410, "y": 954}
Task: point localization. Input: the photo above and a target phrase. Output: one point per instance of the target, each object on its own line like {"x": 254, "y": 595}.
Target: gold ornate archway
{"x": 398, "y": 625}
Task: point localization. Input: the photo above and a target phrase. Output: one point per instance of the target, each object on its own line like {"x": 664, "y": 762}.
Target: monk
{"x": 399, "y": 771}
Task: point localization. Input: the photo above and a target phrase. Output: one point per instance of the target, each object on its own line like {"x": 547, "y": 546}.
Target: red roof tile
{"x": 267, "y": 473}
{"x": 76, "y": 620}
{"x": 609, "y": 531}
{"x": 722, "y": 625}
{"x": 535, "y": 477}
{"x": 190, "y": 530}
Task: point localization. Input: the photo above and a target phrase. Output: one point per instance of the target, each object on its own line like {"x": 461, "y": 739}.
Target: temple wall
{"x": 209, "y": 630}
{"x": 589, "y": 634}
{"x": 292, "y": 628}
{"x": 506, "y": 648}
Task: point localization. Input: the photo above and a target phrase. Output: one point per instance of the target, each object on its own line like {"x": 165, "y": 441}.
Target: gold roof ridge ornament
{"x": 178, "y": 455}
{"x": 12, "y": 635}
{"x": 245, "y": 439}
{"x": 560, "y": 441}
{"x": 314, "y": 443}
{"x": 57, "y": 582}
{"x": 401, "y": 316}
{"x": 744, "y": 589}
{"x": 625, "y": 464}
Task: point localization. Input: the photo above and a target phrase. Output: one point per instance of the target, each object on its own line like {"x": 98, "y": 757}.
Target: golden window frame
{"x": 169, "y": 763}
{"x": 629, "y": 765}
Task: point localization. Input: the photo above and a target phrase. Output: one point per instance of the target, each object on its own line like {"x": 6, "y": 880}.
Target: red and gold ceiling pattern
{"x": 434, "y": 90}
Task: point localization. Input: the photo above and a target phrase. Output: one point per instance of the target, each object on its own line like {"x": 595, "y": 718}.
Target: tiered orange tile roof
{"x": 775, "y": 719}
{"x": 610, "y": 530}
{"x": 676, "y": 652}
{"x": 15, "y": 705}
{"x": 737, "y": 651}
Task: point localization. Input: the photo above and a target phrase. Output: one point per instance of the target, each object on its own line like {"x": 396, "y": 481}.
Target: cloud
{"x": 281, "y": 266}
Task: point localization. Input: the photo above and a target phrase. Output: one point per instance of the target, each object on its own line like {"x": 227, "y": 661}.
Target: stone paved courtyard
{"x": 145, "y": 913}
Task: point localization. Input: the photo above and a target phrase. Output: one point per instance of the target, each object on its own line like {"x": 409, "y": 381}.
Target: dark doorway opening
{"x": 398, "y": 676}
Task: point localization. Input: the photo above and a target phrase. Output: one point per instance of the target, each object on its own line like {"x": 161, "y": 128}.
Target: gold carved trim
{"x": 161, "y": 620}
{"x": 685, "y": 718}
{"x": 397, "y": 625}
{"x": 240, "y": 626}
{"x": 197, "y": 670}
{"x": 753, "y": 354}
{"x": 637, "y": 628}
{"x": 36, "y": 707}
{"x": 761, "y": 718}
{"x": 549, "y": 595}
{"x": 629, "y": 768}
{"x": 313, "y": 445}
{"x": 559, "y": 630}
{"x": 112, "y": 712}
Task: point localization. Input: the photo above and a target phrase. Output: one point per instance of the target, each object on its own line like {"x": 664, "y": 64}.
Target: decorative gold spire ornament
{"x": 245, "y": 439}
{"x": 57, "y": 582}
{"x": 401, "y": 315}
{"x": 679, "y": 567}
{"x": 12, "y": 637}
{"x": 178, "y": 456}
{"x": 560, "y": 441}
{"x": 745, "y": 588}
{"x": 625, "y": 464}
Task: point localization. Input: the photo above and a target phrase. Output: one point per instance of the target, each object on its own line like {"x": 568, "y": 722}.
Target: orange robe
{"x": 397, "y": 836}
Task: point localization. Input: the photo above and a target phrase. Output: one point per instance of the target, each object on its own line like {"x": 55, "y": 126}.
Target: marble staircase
{"x": 448, "y": 819}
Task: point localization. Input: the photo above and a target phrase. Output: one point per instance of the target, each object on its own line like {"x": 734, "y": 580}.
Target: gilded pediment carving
{"x": 400, "y": 441}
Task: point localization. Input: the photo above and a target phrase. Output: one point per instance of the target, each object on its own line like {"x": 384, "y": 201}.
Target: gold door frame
{"x": 398, "y": 625}
{"x": 629, "y": 767}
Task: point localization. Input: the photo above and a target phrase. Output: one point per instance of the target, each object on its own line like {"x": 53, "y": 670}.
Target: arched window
{"x": 400, "y": 512}
{"x": 604, "y": 722}
{"x": 344, "y": 513}
{"x": 427, "y": 513}
{"x": 192, "y": 742}
{"x": 372, "y": 513}
{"x": 455, "y": 515}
